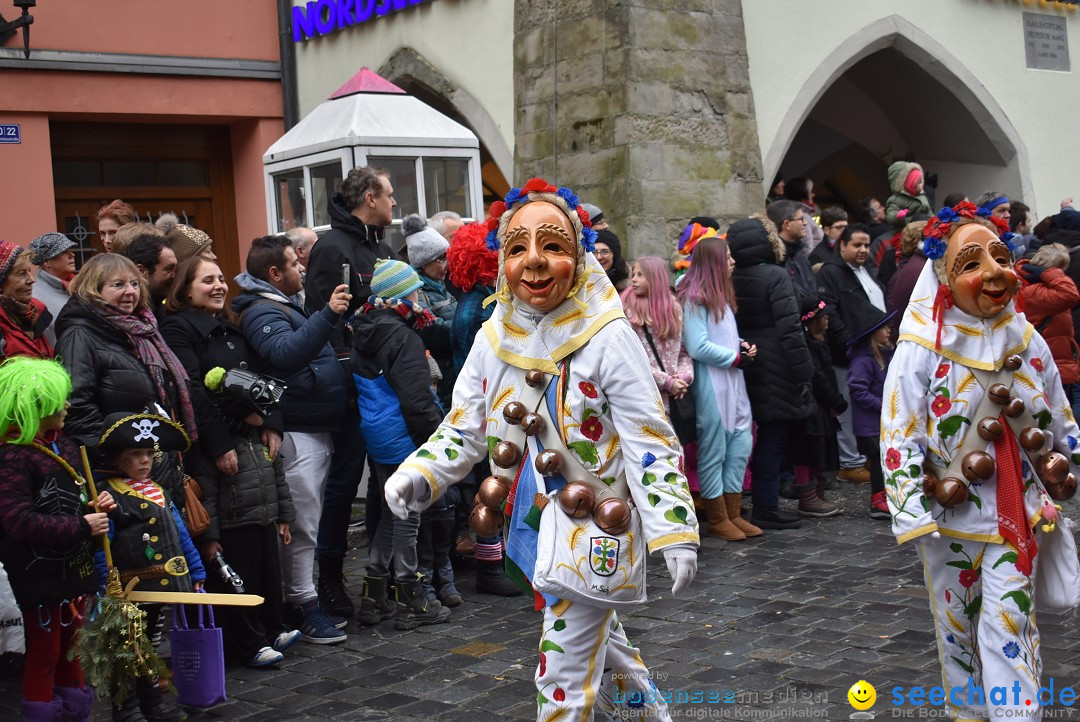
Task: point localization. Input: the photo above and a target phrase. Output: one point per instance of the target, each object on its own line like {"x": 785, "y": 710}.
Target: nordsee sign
{"x": 322, "y": 17}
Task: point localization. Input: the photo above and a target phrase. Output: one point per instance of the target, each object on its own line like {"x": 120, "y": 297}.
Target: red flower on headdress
{"x": 496, "y": 209}
{"x": 1000, "y": 224}
{"x": 538, "y": 185}
{"x": 966, "y": 209}
{"x": 943, "y": 229}
{"x": 892, "y": 459}
{"x": 583, "y": 215}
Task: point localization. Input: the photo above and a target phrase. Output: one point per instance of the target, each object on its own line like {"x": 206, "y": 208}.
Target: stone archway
{"x": 409, "y": 70}
{"x": 889, "y": 92}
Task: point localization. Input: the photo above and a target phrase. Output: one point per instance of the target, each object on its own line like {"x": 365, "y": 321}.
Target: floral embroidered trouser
{"x": 985, "y": 618}
{"x": 586, "y": 660}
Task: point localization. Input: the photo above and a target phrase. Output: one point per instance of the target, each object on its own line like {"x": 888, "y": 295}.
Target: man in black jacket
{"x": 790, "y": 220}
{"x": 358, "y": 214}
{"x": 852, "y": 297}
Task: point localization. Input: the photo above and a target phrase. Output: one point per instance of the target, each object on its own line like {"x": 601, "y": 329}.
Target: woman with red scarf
{"x": 23, "y": 319}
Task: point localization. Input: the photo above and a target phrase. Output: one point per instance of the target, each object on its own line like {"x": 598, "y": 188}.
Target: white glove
{"x": 399, "y": 492}
{"x": 682, "y": 566}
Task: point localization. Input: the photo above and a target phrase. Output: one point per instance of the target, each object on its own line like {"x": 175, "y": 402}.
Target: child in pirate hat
{"x": 148, "y": 537}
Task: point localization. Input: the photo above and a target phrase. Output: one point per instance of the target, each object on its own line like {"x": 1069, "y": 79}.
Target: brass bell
{"x": 532, "y": 424}
{"x": 951, "y": 492}
{"x": 506, "y": 454}
{"x": 977, "y": 466}
{"x": 999, "y": 394}
{"x": 485, "y": 521}
{"x": 493, "y": 492}
{"x": 1013, "y": 362}
{"x": 549, "y": 462}
{"x": 1053, "y": 468}
{"x": 929, "y": 484}
{"x": 1032, "y": 438}
{"x": 1068, "y": 488}
{"x": 577, "y": 499}
{"x": 534, "y": 377}
{"x": 612, "y": 515}
{"x": 1014, "y": 408}
{"x": 989, "y": 429}
{"x": 513, "y": 412}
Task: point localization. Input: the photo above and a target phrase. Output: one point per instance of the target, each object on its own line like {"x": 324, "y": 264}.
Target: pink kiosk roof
{"x": 366, "y": 81}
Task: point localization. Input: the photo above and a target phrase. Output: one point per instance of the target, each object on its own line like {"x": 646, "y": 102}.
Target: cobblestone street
{"x": 782, "y": 625}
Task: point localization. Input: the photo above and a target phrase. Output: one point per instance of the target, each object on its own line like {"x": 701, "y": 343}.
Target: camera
{"x": 228, "y": 573}
{"x": 262, "y": 392}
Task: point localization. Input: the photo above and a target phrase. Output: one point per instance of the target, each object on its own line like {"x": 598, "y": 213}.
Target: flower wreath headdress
{"x": 538, "y": 189}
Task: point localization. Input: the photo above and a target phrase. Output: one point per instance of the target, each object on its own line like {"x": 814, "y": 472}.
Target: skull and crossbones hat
{"x": 124, "y": 430}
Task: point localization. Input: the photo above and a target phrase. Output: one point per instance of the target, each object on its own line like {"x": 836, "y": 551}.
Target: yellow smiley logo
{"x": 862, "y": 695}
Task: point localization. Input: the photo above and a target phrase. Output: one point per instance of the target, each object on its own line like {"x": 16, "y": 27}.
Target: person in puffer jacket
{"x": 906, "y": 180}
{"x": 1049, "y": 297}
{"x": 398, "y": 412}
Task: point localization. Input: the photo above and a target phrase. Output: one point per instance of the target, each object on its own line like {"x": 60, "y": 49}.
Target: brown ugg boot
{"x": 699, "y": 505}
{"x": 734, "y": 508}
{"x": 719, "y": 525}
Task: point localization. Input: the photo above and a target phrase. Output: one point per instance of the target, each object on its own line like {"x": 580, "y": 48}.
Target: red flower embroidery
{"x": 543, "y": 663}
{"x": 942, "y": 369}
{"x": 588, "y": 389}
{"x": 940, "y": 406}
{"x": 558, "y": 695}
{"x": 968, "y": 577}
{"x": 892, "y": 459}
{"x": 591, "y": 428}
{"x": 483, "y": 388}
{"x": 1037, "y": 364}
{"x": 948, "y": 598}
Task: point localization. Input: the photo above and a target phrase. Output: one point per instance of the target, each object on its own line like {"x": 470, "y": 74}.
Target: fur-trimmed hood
{"x": 898, "y": 173}
{"x": 754, "y": 240}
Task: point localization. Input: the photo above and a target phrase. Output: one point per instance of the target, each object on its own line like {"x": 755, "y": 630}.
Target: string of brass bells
{"x": 1051, "y": 467}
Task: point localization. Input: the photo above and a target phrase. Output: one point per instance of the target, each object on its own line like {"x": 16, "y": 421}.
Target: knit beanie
{"x": 394, "y": 279}
{"x": 48, "y": 246}
{"x": 595, "y": 214}
{"x": 8, "y": 253}
{"x": 425, "y": 244}
{"x": 912, "y": 181}
{"x": 183, "y": 239}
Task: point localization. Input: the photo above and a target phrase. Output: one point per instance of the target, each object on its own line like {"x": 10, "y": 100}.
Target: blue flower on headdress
{"x": 569, "y": 197}
{"x": 588, "y": 239}
{"x": 492, "y": 241}
{"x": 1008, "y": 237}
{"x": 983, "y": 211}
{"x": 933, "y": 248}
{"x": 512, "y": 197}
{"x": 947, "y": 215}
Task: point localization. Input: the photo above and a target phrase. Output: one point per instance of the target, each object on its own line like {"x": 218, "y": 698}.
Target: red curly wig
{"x": 470, "y": 261}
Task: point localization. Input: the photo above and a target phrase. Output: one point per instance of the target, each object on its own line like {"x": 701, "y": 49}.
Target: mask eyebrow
{"x": 556, "y": 229}
{"x": 963, "y": 256}
{"x": 514, "y": 233}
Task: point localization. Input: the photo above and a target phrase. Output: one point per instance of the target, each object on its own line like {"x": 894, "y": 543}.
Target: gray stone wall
{"x": 643, "y": 107}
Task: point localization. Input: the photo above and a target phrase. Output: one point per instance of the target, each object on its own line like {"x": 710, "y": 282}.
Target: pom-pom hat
{"x": 8, "y": 253}
{"x": 425, "y": 244}
{"x": 394, "y": 279}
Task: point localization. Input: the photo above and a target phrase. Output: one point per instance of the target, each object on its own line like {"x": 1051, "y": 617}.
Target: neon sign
{"x": 322, "y": 17}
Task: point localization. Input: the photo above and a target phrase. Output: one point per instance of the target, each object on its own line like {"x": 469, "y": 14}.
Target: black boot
{"x": 414, "y": 609}
{"x": 331, "y": 588}
{"x": 153, "y": 705}
{"x": 491, "y": 579}
{"x": 128, "y": 711}
{"x": 443, "y": 578}
{"x": 375, "y": 605}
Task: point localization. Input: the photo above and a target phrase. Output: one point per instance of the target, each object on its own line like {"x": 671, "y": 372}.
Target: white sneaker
{"x": 265, "y": 657}
{"x": 286, "y": 639}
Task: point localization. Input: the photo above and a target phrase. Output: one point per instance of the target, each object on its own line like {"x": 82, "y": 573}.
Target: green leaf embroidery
{"x": 548, "y": 646}
{"x": 974, "y": 498}
{"x": 671, "y": 477}
{"x": 914, "y": 470}
{"x": 457, "y": 440}
{"x": 648, "y": 478}
{"x": 948, "y": 427}
{"x": 961, "y": 564}
{"x": 964, "y": 665}
{"x": 425, "y": 454}
{"x": 944, "y": 391}
{"x": 604, "y": 409}
{"x": 451, "y": 454}
{"x": 1023, "y": 601}
{"x": 653, "y": 499}
{"x": 559, "y": 625}
{"x": 609, "y": 480}
{"x": 971, "y": 610}
{"x": 1007, "y": 557}
{"x": 1044, "y": 418}
{"x": 956, "y": 548}
{"x": 492, "y": 441}
{"x": 586, "y": 451}
{"x": 676, "y": 514}
{"x": 588, "y": 414}
{"x": 541, "y": 700}
{"x": 1076, "y": 458}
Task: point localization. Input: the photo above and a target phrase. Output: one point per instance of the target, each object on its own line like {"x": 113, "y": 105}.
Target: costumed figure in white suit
{"x": 977, "y": 441}
{"x": 586, "y": 471}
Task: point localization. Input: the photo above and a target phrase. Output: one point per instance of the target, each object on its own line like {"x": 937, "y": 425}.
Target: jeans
{"x": 394, "y": 542}
{"x": 346, "y": 470}
{"x": 850, "y": 456}
{"x": 769, "y": 453}
{"x": 870, "y": 446}
{"x": 306, "y": 458}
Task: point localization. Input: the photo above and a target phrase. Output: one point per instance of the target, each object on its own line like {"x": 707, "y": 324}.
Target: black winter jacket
{"x": 347, "y": 241}
{"x": 778, "y": 382}
{"x": 799, "y": 268}
{"x": 846, "y": 303}
{"x": 203, "y": 342}
{"x": 386, "y": 344}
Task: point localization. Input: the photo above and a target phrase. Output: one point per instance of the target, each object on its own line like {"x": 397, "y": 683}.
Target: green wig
{"x": 30, "y": 390}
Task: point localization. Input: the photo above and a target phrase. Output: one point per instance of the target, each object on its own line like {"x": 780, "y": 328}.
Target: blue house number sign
{"x": 10, "y": 134}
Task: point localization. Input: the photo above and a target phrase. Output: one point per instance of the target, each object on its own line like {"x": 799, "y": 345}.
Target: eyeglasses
{"x": 441, "y": 259}
{"x": 838, "y": 226}
{"x": 603, "y": 253}
{"x": 121, "y": 285}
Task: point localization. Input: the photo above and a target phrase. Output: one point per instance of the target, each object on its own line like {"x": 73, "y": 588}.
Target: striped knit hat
{"x": 394, "y": 279}
{"x": 8, "y": 253}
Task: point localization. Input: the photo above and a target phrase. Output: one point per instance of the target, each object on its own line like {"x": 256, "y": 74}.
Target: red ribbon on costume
{"x": 1012, "y": 517}
{"x": 943, "y": 301}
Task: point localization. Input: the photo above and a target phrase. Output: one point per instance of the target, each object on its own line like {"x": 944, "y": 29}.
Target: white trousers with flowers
{"x": 985, "y": 621}
{"x": 587, "y": 662}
